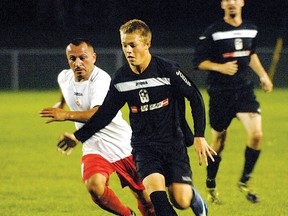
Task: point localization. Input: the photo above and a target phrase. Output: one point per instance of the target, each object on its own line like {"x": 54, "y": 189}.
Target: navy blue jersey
{"x": 221, "y": 43}
{"x": 156, "y": 102}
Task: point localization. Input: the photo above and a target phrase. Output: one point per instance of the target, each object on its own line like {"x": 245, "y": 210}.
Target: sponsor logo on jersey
{"x": 78, "y": 94}
{"x": 138, "y": 84}
{"x": 134, "y": 109}
{"x": 141, "y": 83}
{"x": 237, "y": 54}
{"x": 147, "y": 107}
{"x": 183, "y": 77}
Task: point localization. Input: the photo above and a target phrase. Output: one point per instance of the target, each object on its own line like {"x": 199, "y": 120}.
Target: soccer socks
{"x": 110, "y": 202}
{"x": 251, "y": 157}
{"x": 198, "y": 205}
{"x": 146, "y": 209}
{"x": 161, "y": 204}
{"x": 212, "y": 170}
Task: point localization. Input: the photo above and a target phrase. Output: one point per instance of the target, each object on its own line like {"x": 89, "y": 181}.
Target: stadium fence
{"x": 29, "y": 69}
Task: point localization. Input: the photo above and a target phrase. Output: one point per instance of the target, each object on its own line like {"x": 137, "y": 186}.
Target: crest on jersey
{"x": 238, "y": 43}
{"x": 144, "y": 97}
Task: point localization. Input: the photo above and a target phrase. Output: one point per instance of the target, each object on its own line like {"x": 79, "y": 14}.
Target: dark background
{"x": 51, "y": 23}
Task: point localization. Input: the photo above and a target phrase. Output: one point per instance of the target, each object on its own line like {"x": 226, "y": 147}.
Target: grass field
{"x": 37, "y": 180}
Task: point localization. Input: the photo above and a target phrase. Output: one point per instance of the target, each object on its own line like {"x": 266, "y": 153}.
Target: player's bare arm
{"x": 257, "y": 67}
{"x": 228, "y": 68}
{"x": 203, "y": 150}
{"x": 58, "y": 114}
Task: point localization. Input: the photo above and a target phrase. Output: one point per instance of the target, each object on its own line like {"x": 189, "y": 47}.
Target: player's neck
{"x": 234, "y": 21}
{"x": 142, "y": 67}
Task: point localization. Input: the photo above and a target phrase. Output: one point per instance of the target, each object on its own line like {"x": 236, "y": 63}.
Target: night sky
{"x": 50, "y": 23}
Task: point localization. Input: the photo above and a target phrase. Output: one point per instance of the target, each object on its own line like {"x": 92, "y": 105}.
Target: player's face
{"x": 81, "y": 60}
{"x": 135, "y": 49}
{"x": 232, "y": 7}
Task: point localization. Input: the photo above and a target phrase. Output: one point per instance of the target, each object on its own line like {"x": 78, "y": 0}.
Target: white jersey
{"x": 111, "y": 142}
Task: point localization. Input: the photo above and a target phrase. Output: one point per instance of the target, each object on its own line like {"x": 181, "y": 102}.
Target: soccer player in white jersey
{"x": 84, "y": 87}
{"x": 227, "y": 50}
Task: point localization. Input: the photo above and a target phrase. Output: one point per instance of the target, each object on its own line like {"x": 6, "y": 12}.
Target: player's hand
{"x": 266, "y": 83}
{"x": 55, "y": 114}
{"x": 67, "y": 143}
{"x": 229, "y": 68}
{"x": 203, "y": 150}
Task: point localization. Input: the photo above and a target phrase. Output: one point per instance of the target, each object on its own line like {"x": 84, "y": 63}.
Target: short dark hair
{"x": 78, "y": 41}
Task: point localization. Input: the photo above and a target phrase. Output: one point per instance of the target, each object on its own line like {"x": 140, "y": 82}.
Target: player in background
{"x": 84, "y": 87}
{"x": 154, "y": 89}
{"x": 227, "y": 50}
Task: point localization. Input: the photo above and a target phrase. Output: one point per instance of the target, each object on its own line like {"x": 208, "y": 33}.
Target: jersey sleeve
{"x": 62, "y": 77}
{"x": 254, "y": 44}
{"x": 202, "y": 49}
{"x": 185, "y": 87}
{"x": 99, "y": 89}
{"x": 107, "y": 111}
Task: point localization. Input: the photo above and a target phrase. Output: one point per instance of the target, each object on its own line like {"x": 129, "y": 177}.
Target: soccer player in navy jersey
{"x": 227, "y": 50}
{"x": 154, "y": 89}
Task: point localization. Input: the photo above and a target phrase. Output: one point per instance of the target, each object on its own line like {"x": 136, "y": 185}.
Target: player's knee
{"x": 219, "y": 140}
{"x": 95, "y": 188}
{"x": 181, "y": 202}
{"x": 256, "y": 138}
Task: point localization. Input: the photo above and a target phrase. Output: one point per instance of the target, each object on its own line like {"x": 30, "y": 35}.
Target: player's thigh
{"x": 126, "y": 171}
{"x": 154, "y": 182}
{"x": 95, "y": 164}
{"x": 221, "y": 110}
{"x": 252, "y": 122}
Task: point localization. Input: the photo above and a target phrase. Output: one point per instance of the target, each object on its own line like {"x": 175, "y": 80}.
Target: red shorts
{"x": 125, "y": 169}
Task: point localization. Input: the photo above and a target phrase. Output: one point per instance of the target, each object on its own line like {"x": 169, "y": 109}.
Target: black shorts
{"x": 223, "y": 106}
{"x": 170, "y": 161}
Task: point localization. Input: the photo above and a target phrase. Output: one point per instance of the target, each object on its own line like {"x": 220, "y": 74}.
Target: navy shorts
{"x": 223, "y": 106}
{"x": 170, "y": 160}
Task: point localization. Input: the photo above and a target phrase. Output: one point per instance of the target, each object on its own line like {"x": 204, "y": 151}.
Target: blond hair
{"x": 138, "y": 26}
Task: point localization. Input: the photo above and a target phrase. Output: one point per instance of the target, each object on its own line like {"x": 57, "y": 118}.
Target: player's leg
{"x": 156, "y": 188}
{"x": 220, "y": 116}
{"x": 217, "y": 144}
{"x": 95, "y": 173}
{"x": 179, "y": 180}
{"x": 126, "y": 171}
{"x": 252, "y": 124}
{"x": 149, "y": 164}
{"x": 185, "y": 195}
{"x": 145, "y": 205}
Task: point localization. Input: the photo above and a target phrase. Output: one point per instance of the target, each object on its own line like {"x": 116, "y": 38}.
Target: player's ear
{"x": 148, "y": 44}
{"x": 94, "y": 57}
{"x": 221, "y": 3}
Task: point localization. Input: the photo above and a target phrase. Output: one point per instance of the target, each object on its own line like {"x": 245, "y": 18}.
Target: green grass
{"x": 37, "y": 180}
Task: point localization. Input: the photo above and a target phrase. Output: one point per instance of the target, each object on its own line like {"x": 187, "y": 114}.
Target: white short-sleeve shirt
{"x": 111, "y": 142}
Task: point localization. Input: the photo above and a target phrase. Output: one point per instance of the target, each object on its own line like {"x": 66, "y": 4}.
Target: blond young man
{"x": 154, "y": 89}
